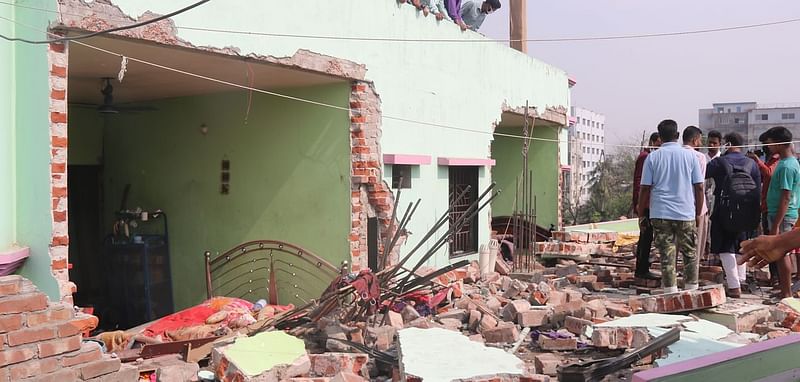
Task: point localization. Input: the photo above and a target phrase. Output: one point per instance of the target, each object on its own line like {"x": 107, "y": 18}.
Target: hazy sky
{"x": 636, "y": 83}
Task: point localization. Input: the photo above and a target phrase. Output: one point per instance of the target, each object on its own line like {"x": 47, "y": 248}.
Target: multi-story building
{"x": 586, "y": 150}
{"x": 750, "y": 118}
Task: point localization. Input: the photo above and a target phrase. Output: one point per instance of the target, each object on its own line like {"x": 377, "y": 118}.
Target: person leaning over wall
{"x": 470, "y": 14}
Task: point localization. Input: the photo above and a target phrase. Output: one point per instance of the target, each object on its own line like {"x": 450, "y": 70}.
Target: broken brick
{"x": 510, "y": 311}
{"x": 683, "y": 301}
{"x": 547, "y": 364}
{"x": 576, "y": 325}
{"x": 556, "y": 297}
{"x": 619, "y": 337}
{"x": 534, "y": 317}
{"x": 617, "y": 310}
{"x": 501, "y": 334}
{"x": 547, "y": 343}
{"x": 572, "y": 308}
{"x": 596, "y": 308}
{"x": 458, "y": 314}
{"x": 394, "y": 319}
{"x": 501, "y": 266}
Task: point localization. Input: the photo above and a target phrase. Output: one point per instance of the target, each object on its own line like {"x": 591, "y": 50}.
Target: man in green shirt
{"x": 783, "y": 197}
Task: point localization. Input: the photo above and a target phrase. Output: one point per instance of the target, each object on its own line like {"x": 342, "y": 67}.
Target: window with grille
{"x": 465, "y": 240}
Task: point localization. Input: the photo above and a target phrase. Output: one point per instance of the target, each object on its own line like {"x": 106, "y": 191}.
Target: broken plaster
{"x": 102, "y": 14}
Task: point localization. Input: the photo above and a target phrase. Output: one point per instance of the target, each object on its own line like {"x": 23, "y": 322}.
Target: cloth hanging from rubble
{"x": 368, "y": 288}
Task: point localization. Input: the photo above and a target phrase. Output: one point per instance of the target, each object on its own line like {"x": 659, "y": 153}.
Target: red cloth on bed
{"x": 197, "y": 315}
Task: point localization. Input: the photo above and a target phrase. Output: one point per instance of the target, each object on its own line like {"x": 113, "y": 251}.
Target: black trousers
{"x": 644, "y": 246}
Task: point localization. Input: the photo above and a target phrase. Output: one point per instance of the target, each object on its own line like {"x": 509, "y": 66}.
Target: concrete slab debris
{"x": 737, "y": 316}
{"x": 429, "y": 354}
{"x": 268, "y": 355}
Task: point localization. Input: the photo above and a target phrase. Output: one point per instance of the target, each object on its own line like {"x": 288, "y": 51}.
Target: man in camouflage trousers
{"x": 672, "y": 185}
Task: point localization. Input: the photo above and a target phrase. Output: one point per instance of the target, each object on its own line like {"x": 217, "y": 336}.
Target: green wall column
{"x": 6, "y": 133}
{"x": 34, "y": 220}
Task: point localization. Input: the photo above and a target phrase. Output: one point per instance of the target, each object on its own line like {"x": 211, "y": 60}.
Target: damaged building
{"x": 163, "y": 120}
{"x": 236, "y": 158}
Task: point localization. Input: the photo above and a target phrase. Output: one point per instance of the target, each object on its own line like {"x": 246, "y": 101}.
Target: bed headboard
{"x": 279, "y": 272}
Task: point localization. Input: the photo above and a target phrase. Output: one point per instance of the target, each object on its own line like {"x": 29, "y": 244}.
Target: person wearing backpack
{"x": 783, "y": 197}
{"x": 737, "y": 208}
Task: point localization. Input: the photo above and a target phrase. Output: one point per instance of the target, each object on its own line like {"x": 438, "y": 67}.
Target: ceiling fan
{"x": 108, "y": 107}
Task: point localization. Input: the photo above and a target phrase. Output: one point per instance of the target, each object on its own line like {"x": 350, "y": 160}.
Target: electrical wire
{"x": 342, "y": 108}
{"x": 387, "y": 39}
{"x": 106, "y": 31}
{"x": 541, "y": 40}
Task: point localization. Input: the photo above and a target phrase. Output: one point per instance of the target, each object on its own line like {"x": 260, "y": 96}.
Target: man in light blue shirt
{"x": 672, "y": 187}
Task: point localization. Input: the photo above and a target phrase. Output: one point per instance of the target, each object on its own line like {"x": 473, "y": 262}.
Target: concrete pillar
{"x": 518, "y": 24}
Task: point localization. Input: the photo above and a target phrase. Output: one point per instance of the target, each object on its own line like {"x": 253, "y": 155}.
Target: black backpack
{"x": 738, "y": 208}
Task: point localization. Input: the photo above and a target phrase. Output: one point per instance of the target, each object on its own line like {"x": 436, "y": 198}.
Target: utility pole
{"x": 518, "y": 24}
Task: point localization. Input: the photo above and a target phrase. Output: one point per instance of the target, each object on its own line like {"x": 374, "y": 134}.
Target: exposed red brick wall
{"x": 44, "y": 340}
{"x": 59, "y": 242}
{"x": 559, "y": 217}
{"x": 370, "y": 195}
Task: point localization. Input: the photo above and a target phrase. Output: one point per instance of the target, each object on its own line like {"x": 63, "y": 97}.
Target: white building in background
{"x": 750, "y": 119}
{"x": 586, "y": 150}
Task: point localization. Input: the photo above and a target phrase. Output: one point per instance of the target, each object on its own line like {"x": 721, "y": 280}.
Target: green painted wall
{"x": 769, "y": 365}
{"x": 33, "y": 215}
{"x": 85, "y": 131}
{"x": 444, "y": 84}
{"x": 289, "y": 173}
{"x": 543, "y": 159}
{"x": 7, "y": 210}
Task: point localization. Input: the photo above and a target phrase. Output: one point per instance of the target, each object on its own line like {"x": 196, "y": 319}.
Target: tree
{"x": 610, "y": 188}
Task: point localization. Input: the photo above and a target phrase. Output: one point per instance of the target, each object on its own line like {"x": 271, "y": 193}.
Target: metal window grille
{"x": 465, "y": 240}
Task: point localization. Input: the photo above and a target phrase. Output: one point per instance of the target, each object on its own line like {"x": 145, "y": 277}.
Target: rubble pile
{"x": 579, "y": 305}
{"x": 577, "y": 313}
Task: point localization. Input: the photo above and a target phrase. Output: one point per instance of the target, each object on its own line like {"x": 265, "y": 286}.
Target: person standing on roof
{"x": 736, "y": 214}
{"x": 693, "y": 138}
{"x": 714, "y": 141}
{"x": 469, "y": 14}
{"x": 767, "y": 167}
{"x": 645, "y": 229}
{"x": 672, "y": 186}
{"x": 783, "y": 197}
